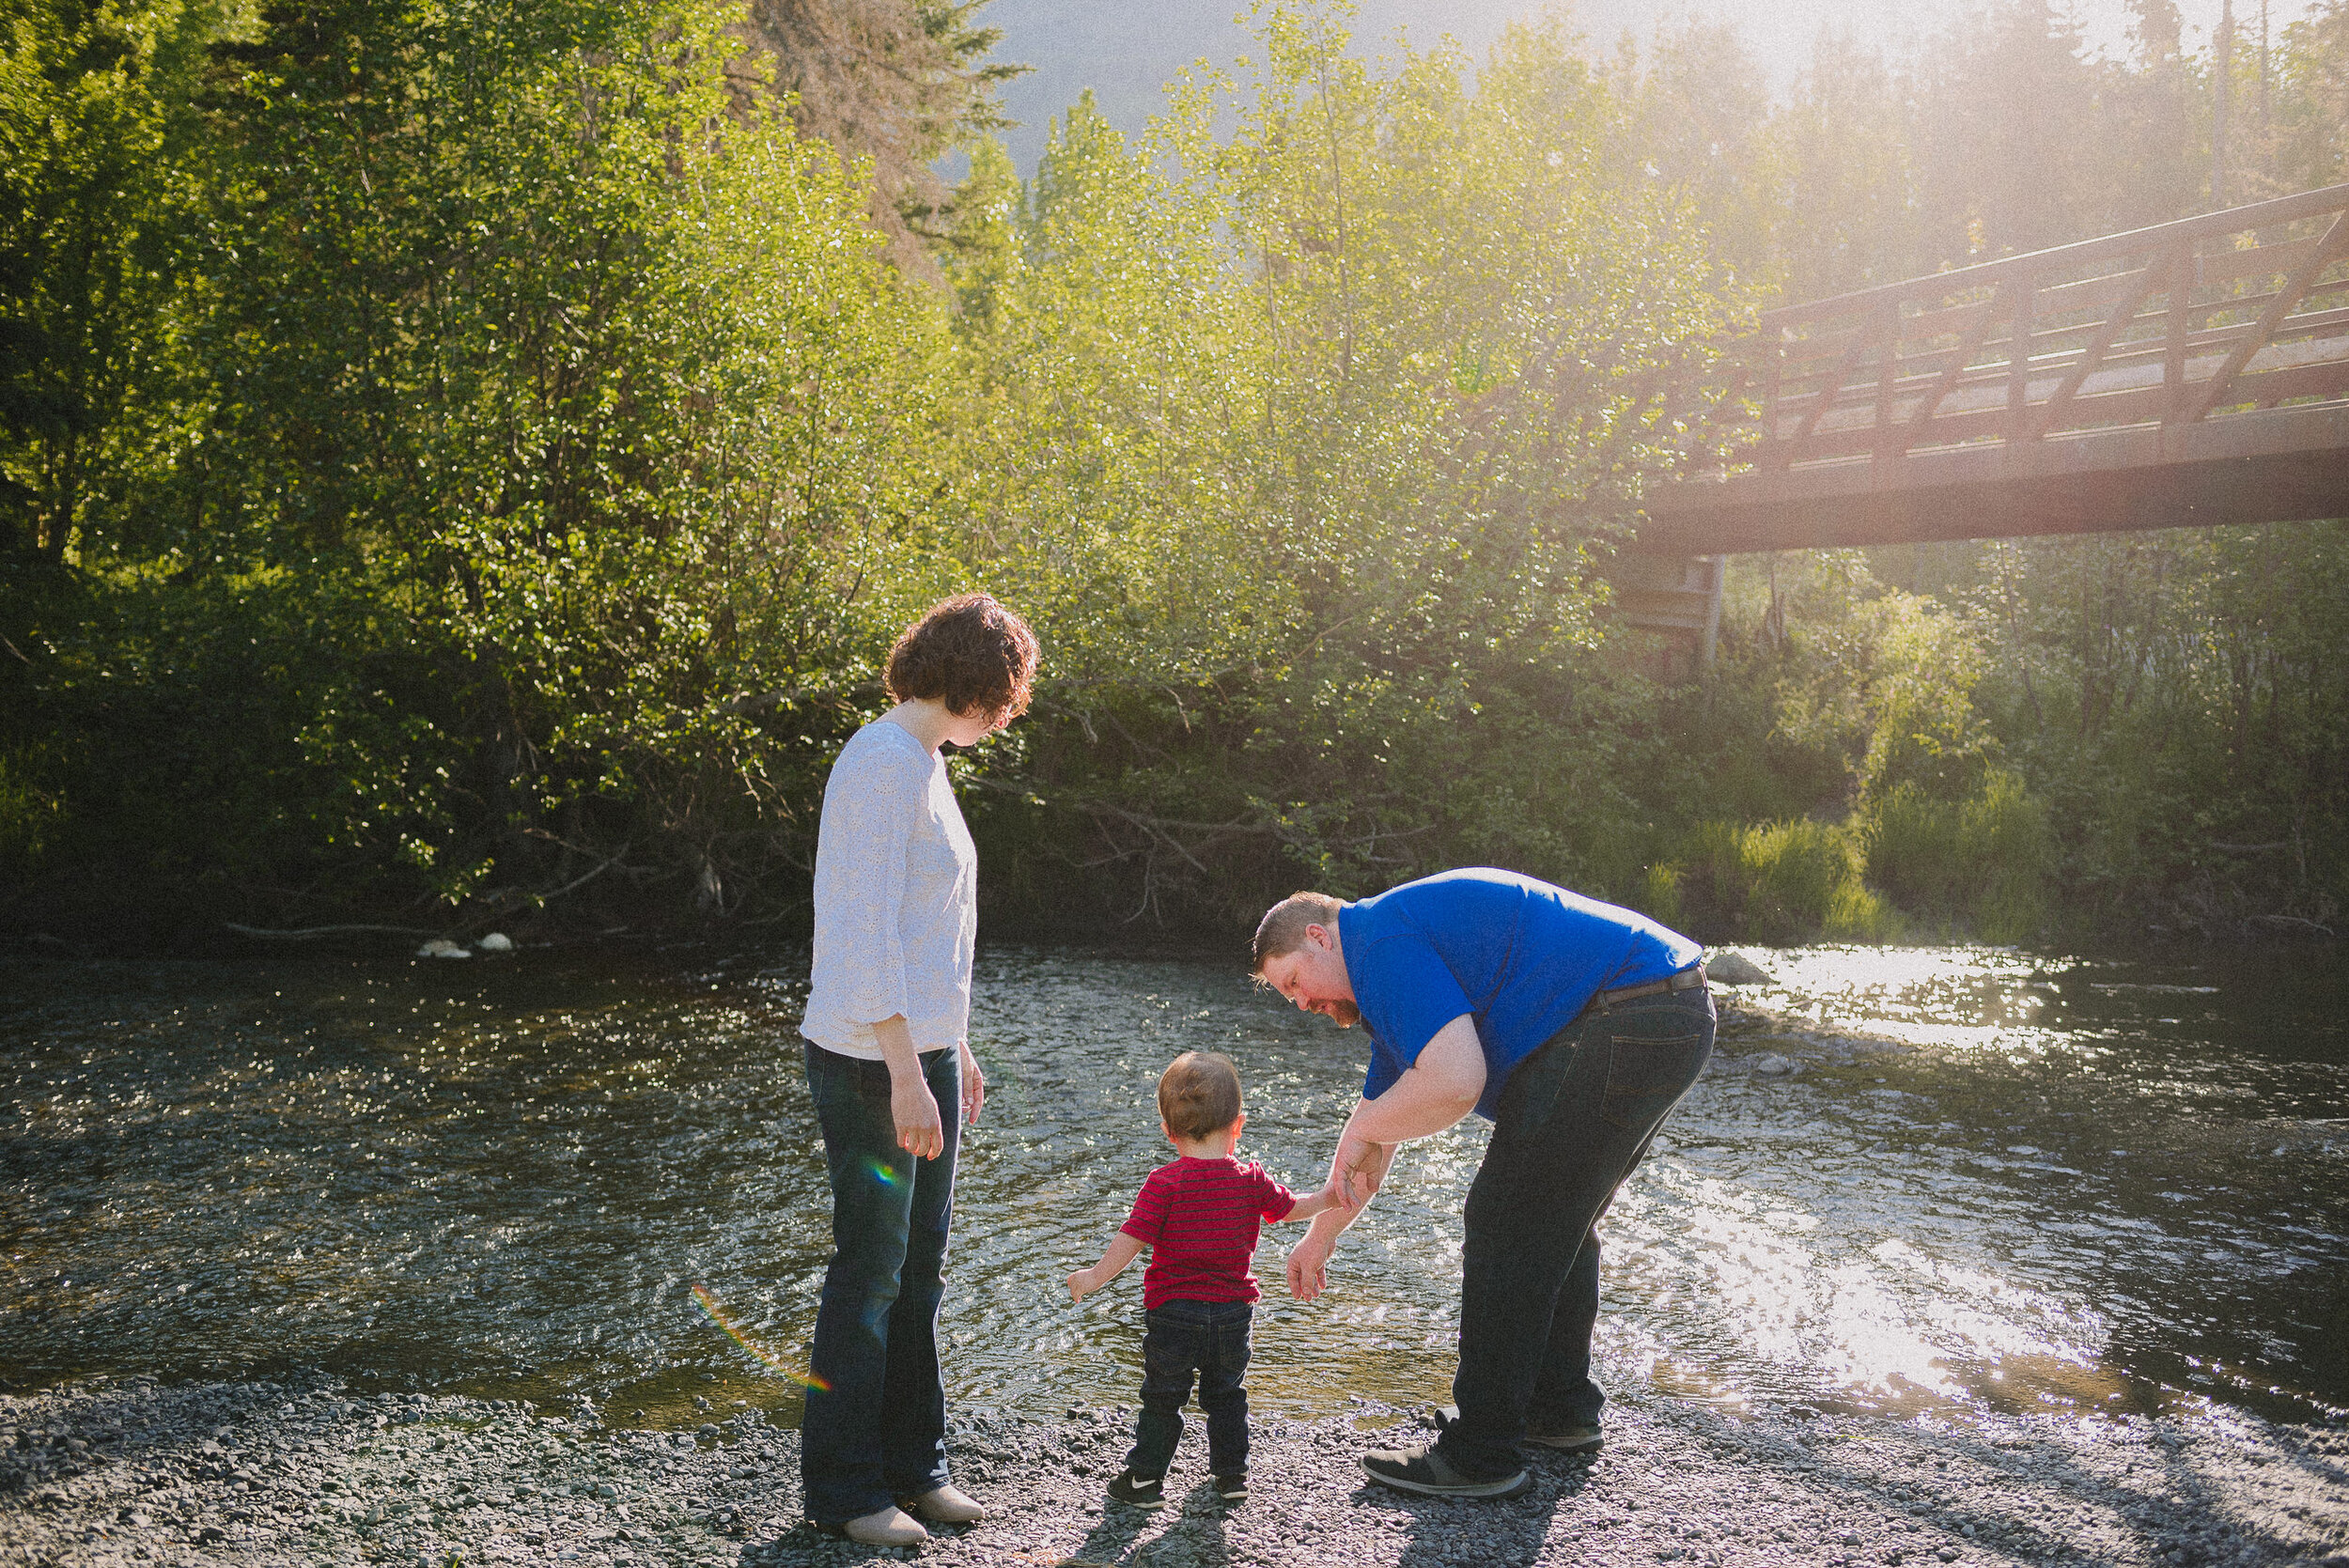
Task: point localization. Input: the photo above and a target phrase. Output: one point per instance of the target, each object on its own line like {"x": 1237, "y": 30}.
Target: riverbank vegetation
{"x": 462, "y": 470}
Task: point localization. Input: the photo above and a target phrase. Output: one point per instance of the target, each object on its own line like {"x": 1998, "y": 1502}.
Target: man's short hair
{"x": 1282, "y": 929}
{"x": 1199, "y": 1093}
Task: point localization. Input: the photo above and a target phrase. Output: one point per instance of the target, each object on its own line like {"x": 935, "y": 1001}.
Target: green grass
{"x": 1792, "y": 880}
{"x": 1981, "y": 861}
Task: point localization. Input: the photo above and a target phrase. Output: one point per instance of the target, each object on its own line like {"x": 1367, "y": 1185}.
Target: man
{"x": 1574, "y": 1025}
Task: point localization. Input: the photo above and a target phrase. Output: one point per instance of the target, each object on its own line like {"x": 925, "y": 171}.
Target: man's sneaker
{"x": 1424, "y": 1470}
{"x": 1569, "y": 1439}
{"x": 1231, "y": 1488}
{"x": 1138, "y": 1492}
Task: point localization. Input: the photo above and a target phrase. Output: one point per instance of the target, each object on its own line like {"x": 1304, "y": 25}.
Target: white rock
{"x": 496, "y": 941}
{"x": 441, "y": 947}
{"x": 1726, "y": 967}
{"x": 1771, "y": 1064}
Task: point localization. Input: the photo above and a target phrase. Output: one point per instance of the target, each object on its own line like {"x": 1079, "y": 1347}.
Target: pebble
{"x": 327, "y": 1481}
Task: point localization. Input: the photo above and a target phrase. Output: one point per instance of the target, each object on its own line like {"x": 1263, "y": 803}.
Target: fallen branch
{"x": 2293, "y": 921}
{"x": 841, "y": 695}
{"x": 307, "y": 932}
{"x": 582, "y": 880}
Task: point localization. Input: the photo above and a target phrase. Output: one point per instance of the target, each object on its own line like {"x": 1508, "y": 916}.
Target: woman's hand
{"x": 974, "y": 1085}
{"x": 914, "y": 1109}
{"x": 912, "y": 1105}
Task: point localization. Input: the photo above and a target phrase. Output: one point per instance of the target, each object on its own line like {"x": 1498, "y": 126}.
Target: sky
{"x": 1127, "y": 48}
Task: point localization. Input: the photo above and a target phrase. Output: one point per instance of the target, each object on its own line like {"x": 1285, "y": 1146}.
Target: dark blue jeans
{"x": 1178, "y": 1338}
{"x": 876, "y": 1423}
{"x": 1571, "y": 1121}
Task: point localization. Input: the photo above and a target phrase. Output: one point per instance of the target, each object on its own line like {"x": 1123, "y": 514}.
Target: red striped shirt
{"x": 1199, "y": 1219}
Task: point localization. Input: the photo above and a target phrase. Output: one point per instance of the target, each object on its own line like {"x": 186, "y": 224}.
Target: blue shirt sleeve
{"x": 1406, "y": 993}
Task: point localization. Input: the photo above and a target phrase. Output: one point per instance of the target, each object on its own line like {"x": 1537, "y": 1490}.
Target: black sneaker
{"x": 1423, "y": 1471}
{"x": 1231, "y": 1488}
{"x": 1568, "y": 1437}
{"x": 1137, "y": 1491}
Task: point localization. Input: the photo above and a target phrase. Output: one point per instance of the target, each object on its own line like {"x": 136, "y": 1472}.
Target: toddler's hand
{"x": 1080, "y": 1282}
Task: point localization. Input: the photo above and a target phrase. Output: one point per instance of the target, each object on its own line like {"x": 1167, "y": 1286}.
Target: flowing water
{"x": 1990, "y": 1181}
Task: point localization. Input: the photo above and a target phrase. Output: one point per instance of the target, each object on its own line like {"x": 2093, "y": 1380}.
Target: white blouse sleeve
{"x": 861, "y": 844}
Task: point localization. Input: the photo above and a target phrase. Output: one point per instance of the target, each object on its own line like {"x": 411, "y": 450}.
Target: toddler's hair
{"x": 1199, "y": 1093}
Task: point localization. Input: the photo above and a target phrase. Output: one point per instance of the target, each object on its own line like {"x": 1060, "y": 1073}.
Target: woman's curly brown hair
{"x": 969, "y": 652}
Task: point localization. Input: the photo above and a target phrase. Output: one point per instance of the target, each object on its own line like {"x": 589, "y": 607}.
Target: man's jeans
{"x": 1179, "y": 1338}
{"x": 1571, "y": 1121}
{"x": 876, "y": 1421}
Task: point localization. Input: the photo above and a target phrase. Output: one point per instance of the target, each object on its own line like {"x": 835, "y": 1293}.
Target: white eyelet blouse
{"x": 896, "y": 898}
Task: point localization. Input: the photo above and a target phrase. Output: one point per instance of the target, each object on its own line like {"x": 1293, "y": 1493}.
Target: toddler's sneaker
{"x": 1138, "y": 1491}
{"x": 1231, "y": 1488}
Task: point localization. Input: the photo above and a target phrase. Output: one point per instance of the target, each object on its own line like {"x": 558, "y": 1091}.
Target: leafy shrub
{"x": 1984, "y": 860}
{"x": 1772, "y": 881}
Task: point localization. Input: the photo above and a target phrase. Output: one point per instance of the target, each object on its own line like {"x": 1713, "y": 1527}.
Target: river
{"x": 1983, "y": 1180}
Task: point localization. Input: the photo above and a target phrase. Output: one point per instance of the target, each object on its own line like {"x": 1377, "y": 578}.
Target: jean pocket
{"x": 1646, "y": 1075}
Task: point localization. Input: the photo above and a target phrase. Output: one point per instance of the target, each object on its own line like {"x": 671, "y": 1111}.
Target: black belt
{"x": 1687, "y": 980}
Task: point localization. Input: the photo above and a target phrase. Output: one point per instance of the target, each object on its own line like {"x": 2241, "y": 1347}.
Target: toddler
{"x": 1199, "y": 1218}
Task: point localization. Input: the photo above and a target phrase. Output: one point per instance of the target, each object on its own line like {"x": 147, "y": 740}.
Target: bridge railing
{"x": 2203, "y": 317}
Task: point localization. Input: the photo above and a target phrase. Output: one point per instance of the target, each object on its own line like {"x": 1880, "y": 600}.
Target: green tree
{"x": 96, "y": 161}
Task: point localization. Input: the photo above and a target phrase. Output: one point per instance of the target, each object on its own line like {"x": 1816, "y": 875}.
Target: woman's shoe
{"x": 886, "y": 1527}
{"x": 945, "y": 1505}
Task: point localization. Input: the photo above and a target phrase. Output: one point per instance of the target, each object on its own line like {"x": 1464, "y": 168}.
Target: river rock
{"x": 441, "y": 947}
{"x": 496, "y": 941}
{"x": 1728, "y": 967}
{"x": 1677, "y": 1483}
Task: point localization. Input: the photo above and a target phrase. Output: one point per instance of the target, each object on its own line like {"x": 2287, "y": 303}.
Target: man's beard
{"x": 1345, "y": 1012}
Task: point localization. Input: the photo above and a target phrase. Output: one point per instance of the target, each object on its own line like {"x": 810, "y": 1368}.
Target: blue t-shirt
{"x": 1520, "y": 957}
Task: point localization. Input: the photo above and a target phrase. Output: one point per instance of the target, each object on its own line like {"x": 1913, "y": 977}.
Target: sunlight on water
{"x": 1914, "y": 1179}
{"x": 1968, "y": 1001}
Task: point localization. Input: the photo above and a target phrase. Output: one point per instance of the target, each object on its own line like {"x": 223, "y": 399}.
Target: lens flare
{"x": 757, "y": 1352}
{"x": 883, "y": 1174}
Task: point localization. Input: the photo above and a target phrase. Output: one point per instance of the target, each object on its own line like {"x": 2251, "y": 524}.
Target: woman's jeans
{"x": 1180, "y": 1339}
{"x": 1571, "y": 1121}
{"x": 876, "y": 1423}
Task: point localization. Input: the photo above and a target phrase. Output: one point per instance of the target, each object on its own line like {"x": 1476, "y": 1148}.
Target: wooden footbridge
{"x": 2187, "y": 375}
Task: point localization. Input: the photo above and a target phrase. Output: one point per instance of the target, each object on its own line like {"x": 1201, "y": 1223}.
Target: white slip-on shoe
{"x": 886, "y": 1527}
{"x": 945, "y": 1505}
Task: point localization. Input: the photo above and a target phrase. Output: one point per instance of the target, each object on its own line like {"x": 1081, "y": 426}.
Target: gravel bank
{"x": 304, "y": 1472}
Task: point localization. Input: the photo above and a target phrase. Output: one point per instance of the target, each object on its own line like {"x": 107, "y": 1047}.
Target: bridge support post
{"x": 1679, "y": 598}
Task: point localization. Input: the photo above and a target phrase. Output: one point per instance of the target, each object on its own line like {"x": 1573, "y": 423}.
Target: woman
{"x": 896, "y": 886}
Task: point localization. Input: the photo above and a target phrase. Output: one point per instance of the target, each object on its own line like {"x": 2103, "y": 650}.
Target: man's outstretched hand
{"x": 1359, "y": 1170}
{"x": 1309, "y": 1261}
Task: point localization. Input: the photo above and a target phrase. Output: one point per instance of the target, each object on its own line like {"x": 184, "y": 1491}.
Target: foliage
{"x": 1305, "y": 443}
{"x": 1985, "y": 859}
{"x": 561, "y": 419}
{"x": 895, "y": 81}
{"x": 1771, "y": 882}
{"x": 464, "y": 466}
{"x": 97, "y": 160}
